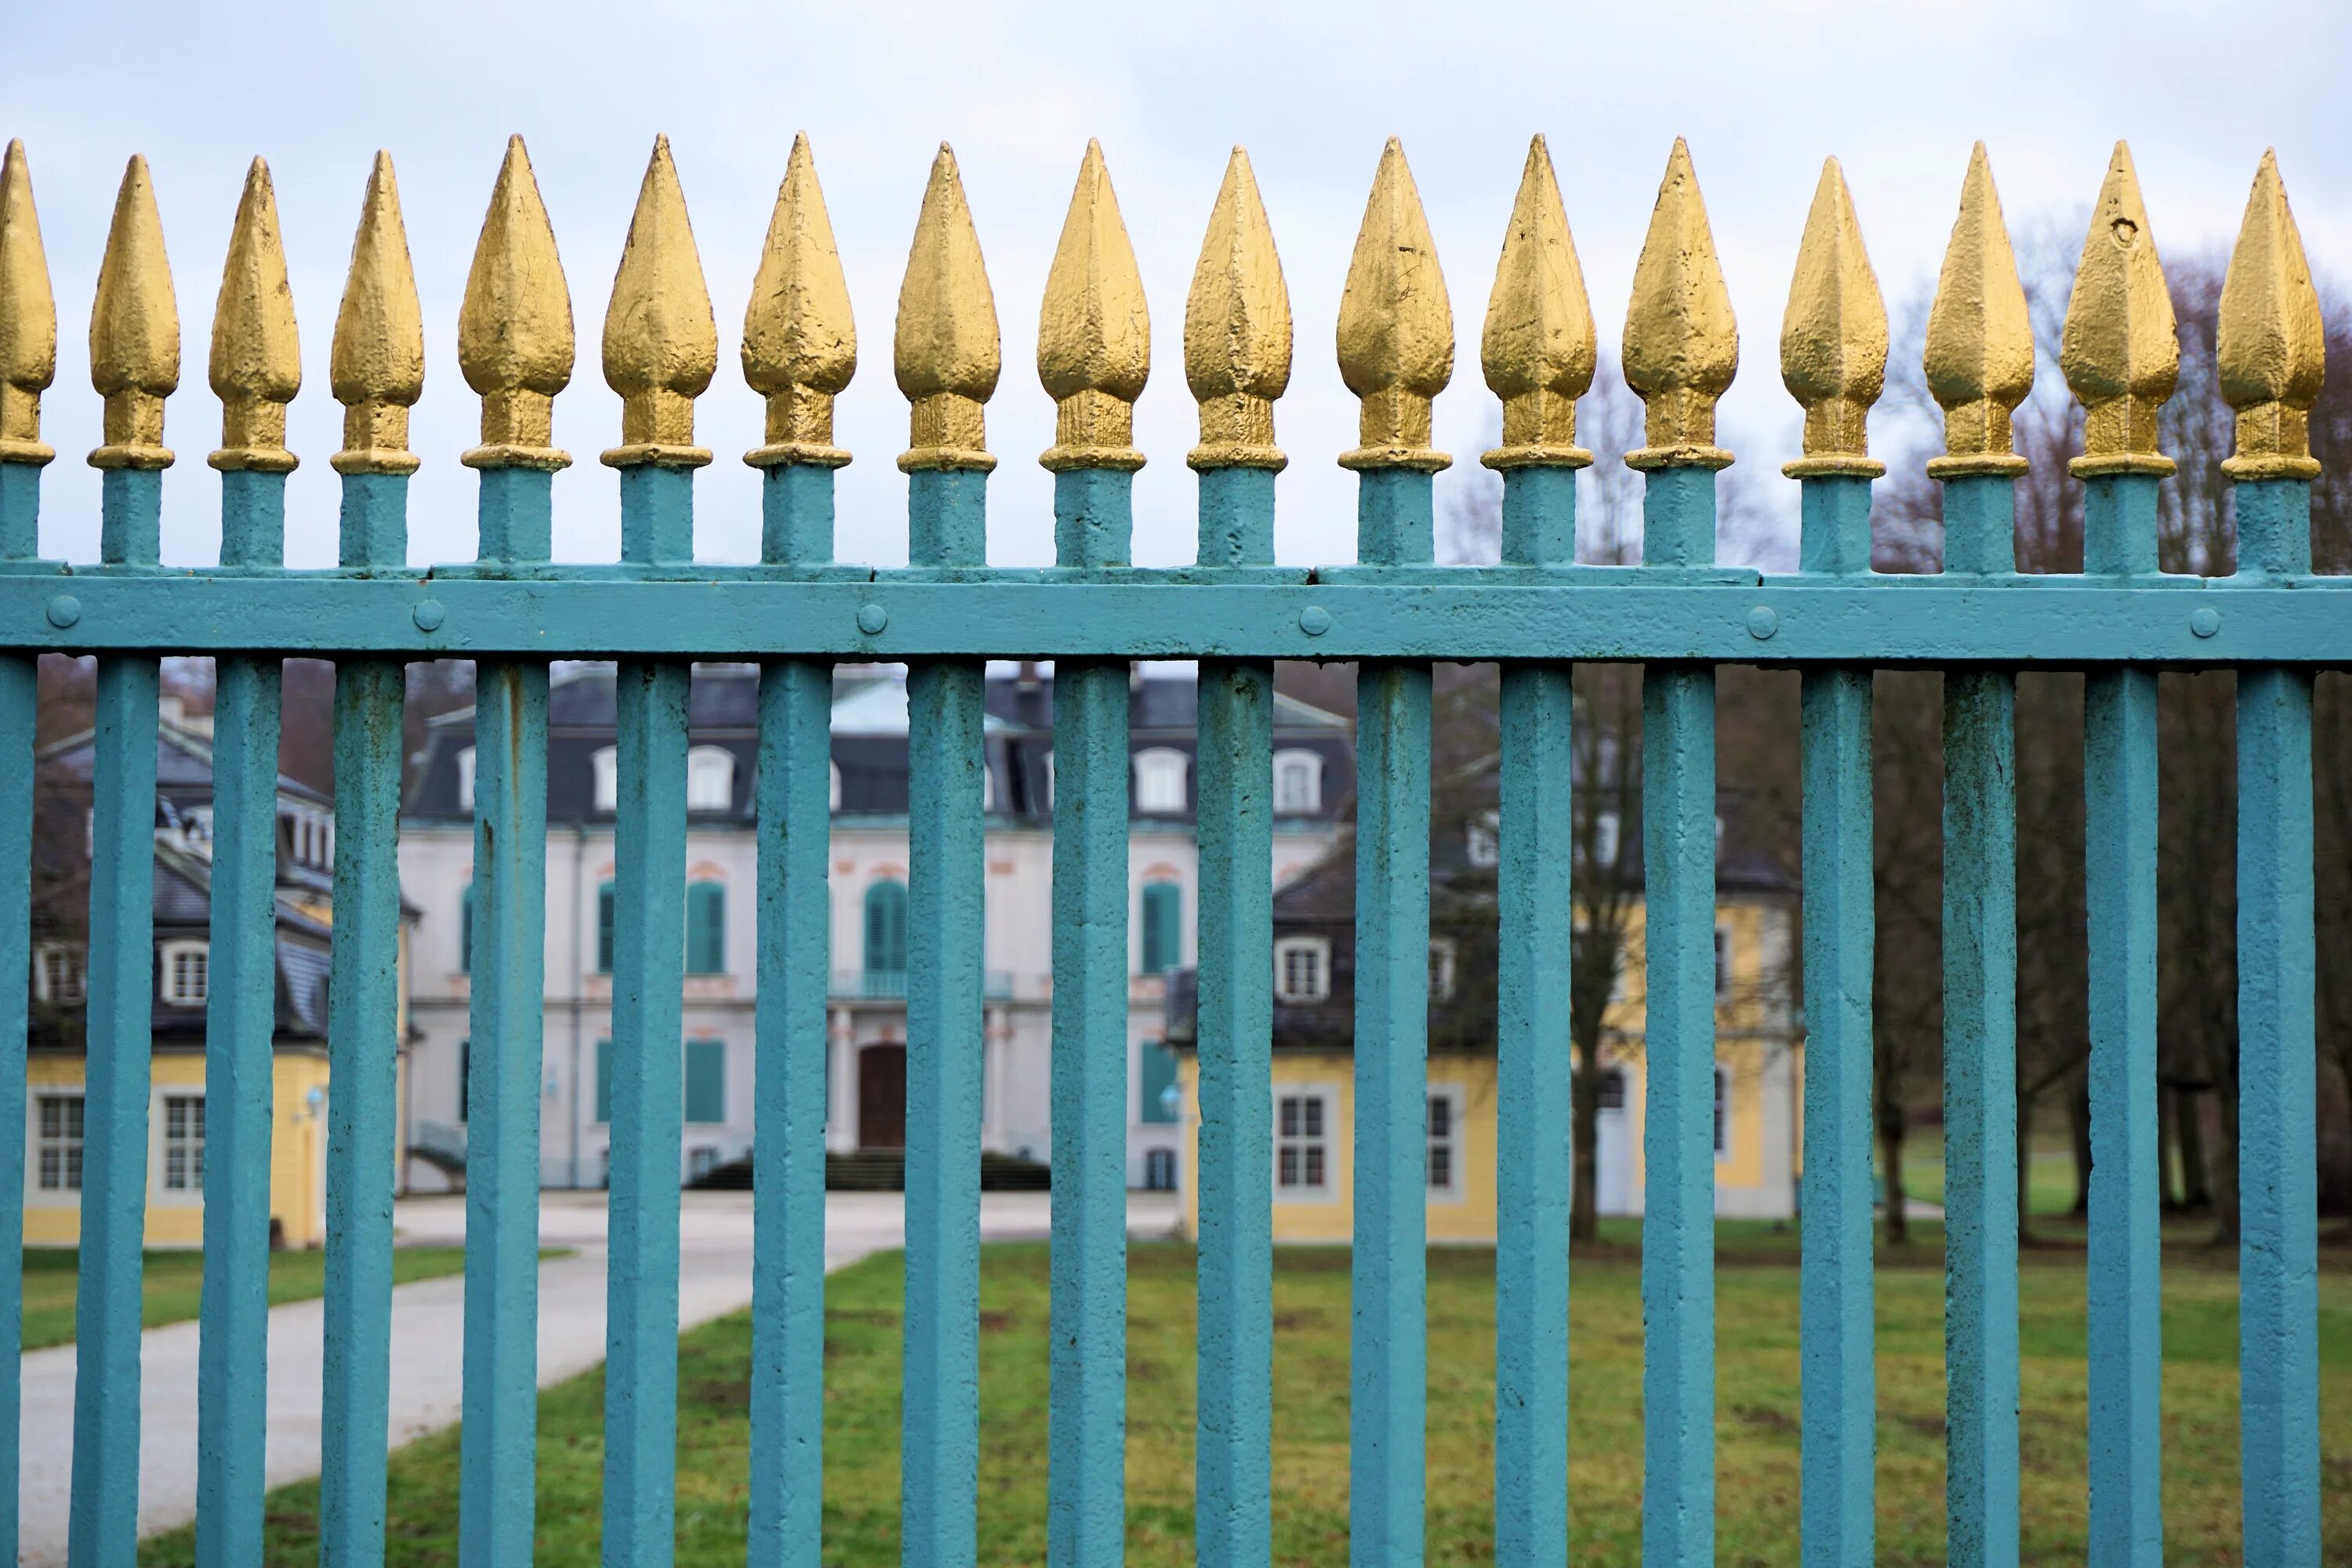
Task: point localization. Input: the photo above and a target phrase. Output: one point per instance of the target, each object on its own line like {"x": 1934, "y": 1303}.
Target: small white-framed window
{"x": 1722, "y": 1113}
{"x": 1606, "y": 829}
{"x": 1443, "y": 1168}
{"x": 1298, "y": 783}
{"x": 1302, "y": 969}
{"x": 1049, "y": 779}
{"x": 709, "y": 778}
{"x": 606, "y": 766}
{"x": 1484, "y": 848}
{"x": 987, "y": 787}
{"x": 1722, "y": 963}
{"x": 183, "y": 1143}
{"x": 1159, "y": 779}
{"x": 1441, "y": 956}
{"x": 61, "y": 972}
{"x": 57, "y": 1142}
{"x": 1302, "y": 1147}
{"x": 184, "y": 977}
{"x": 834, "y": 784}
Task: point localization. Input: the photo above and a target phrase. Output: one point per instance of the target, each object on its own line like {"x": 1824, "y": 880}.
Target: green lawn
{"x": 1757, "y": 1414}
{"x": 173, "y": 1284}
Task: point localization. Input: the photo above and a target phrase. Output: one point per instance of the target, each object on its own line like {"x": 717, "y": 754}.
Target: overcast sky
{"x": 1763, "y": 91}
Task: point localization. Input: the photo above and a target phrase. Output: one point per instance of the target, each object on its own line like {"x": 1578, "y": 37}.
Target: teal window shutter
{"x": 885, "y": 929}
{"x": 1163, "y": 936}
{"x": 706, "y": 1080}
{"x": 1156, "y": 1075}
{"x": 603, "y": 1080}
{"x": 706, "y": 927}
{"x": 466, "y": 933}
{"x": 605, "y": 929}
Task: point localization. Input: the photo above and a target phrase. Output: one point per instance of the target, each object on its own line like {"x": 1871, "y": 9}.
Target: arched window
{"x": 466, "y": 779}
{"x": 1159, "y": 779}
{"x": 706, "y": 927}
{"x": 709, "y": 778}
{"x": 886, "y": 933}
{"x": 1297, "y": 784}
{"x": 607, "y": 763}
{"x": 1163, "y": 930}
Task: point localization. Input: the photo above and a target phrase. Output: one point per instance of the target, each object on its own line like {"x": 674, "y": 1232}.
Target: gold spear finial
{"x": 1396, "y": 326}
{"x": 2273, "y": 343}
{"x": 514, "y": 331}
{"x": 1979, "y": 350}
{"x": 134, "y": 330}
{"x": 946, "y": 351}
{"x": 256, "y": 361}
{"x": 1682, "y": 344}
{"x": 1093, "y": 334}
{"x": 1539, "y": 348}
{"x": 1237, "y": 329}
{"x": 2120, "y": 347}
{"x": 377, "y": 367}
{"x": 28, "y": 317}
{"x": 661, "y": 341}
{"x": 800, "y": 345}
{"x": 1834, "y": 338}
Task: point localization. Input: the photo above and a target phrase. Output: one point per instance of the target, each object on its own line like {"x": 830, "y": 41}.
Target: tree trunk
{"x": 2168, "y": 1097}
{"x": 1892, "y": 1126}
{"x": 2224, "y": 1168}
{"x": 2078, "y": 1125}
{"x": 2189, "y": 1119}
{"x": 1584, "y": 1204}
{"x": 2024, "y": 1163}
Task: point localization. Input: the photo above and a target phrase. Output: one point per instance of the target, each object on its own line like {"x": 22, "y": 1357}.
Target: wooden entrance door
{"x": 882, "y": 1097}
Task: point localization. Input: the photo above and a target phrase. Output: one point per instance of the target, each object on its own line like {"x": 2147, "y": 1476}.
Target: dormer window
{"x": 184, "y": 973}
{"x": 1302, "y": 969}
{"x": 709, "y": 778}
{"x": 1297, "y": 784}
{"x": 1160, "y": 780}
{"x": 61, "y": 972}
{"x": 1483, "y": 846}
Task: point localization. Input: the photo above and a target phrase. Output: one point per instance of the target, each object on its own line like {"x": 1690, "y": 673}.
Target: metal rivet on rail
{"x": 429, "y": 616}
{"x": 1762, "y": 622}
{"x": 872, "y": 618}
{"x": 64, "y": 610}
{"x": 2205, "y": 621}
{"x": 1314, "y": 620}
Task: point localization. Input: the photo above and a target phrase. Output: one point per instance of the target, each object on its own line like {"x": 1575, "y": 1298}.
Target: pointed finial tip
{"x": 1396, "y": 325}
{"x": 800, "y": 345}
{"x": 661, "y": 341}
{"x": 2119, "y": 347}
{"x": 515, "y": 343}
{"x": 1979, "y": 355}
{"x": 1237, "y": 329}
{"x": 1833, "y": 337}
{"x": 134, "y": 329}
{"x": 1539, "y": 348}
{"x": 28, "y": 316}
{"x": 1094, "y": 334}
{"x": 945, "y": 350}
{"x": 2271, "y": 343}
{"x": 257, "y": 360}
{"x": 377, "y": 364}
{"x": 1681, "y": 346}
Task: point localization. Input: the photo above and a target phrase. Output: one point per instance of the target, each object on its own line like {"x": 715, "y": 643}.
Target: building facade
{"x": 865, "y": 1043}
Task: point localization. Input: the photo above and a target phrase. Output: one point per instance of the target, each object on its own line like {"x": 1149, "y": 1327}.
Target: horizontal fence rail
{"x": 1678, "y": 614}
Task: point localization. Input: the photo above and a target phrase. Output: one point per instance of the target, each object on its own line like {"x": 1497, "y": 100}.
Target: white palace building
{"x": 1313, "y": 775}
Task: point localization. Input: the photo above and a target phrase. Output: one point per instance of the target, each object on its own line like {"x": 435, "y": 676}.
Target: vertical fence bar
{"x": 1677, "y": 1136}
{"x": 2119, "y": 781}
{"x": 1980, "y": 1333}
{"x": 20, "y": 502}
{"x": 1534, "y": 1161}
{"x": 1839, "y": 1390}
{"x": 2278, "y": 1314}
{"x": 1387, "y": 1354}
{"x": 648, "y": 1091}
{"x": 788, "y": 1196}
{"x": 1233, "y": 1444}
{"x": 497, "y": 1441}
{"x": 363, "y": 1054}
{"x": 939, "y": 1448}
{"x": 103, "y": 1526}
{"x": 1086, "y": 1513}
{"x": 240, "y": 1021}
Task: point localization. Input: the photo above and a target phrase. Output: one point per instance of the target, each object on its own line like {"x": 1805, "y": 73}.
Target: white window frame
{"x": 190, "y": 1143}
{"x": 1325, "y": 1140}
{"x": 37, "y": 1143}
{"x": 834, "y": 784}
{"x": 1321, "y": 949}
{"x": 1450, "y": 1190}
{"x": 1162, "y": 780}
{"x": 1483, "y": 845}
{"x": 1445, "y": 956}
{"x": 168, "y": 986}
{"x": 709, "y": 778}
{"x": 61, "y": 961}
{"x": 1307, "y": 799}
{"x": 606, "y": 766}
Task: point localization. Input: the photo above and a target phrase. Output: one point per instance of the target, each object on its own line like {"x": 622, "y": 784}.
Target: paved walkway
{"x": 428, "y": 1331}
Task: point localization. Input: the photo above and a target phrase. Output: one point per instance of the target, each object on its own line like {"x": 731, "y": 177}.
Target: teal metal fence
{"x": 1677, "y": 613}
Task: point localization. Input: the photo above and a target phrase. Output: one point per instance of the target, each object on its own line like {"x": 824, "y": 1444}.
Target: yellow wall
{"x": 298, "y": 1145}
